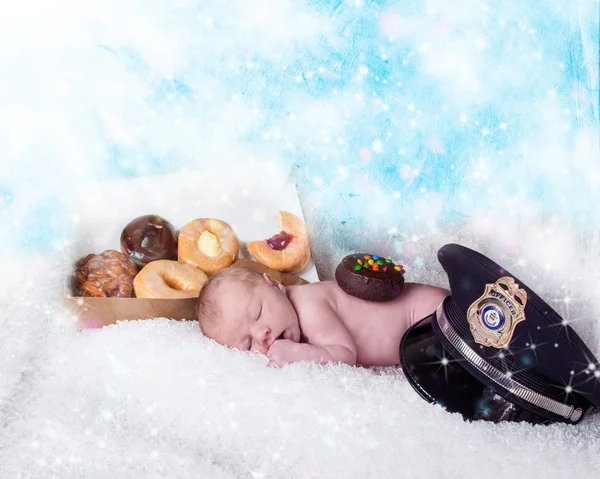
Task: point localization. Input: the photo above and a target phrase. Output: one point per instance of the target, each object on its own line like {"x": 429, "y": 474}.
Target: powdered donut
{"x": 288, "y": 251}
{"x": 169, "y": 279}
{"x": 208, "y": 244}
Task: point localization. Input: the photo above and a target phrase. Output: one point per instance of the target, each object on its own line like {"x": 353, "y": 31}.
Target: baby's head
{"x": 243, "y": 309}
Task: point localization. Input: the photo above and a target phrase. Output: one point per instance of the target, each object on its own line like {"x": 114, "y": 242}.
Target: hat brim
{"x": 441, "y": 379}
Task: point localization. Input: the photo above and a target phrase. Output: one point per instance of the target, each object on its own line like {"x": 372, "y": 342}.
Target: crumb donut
{"x": 208, "y": 244}
{"x": 169, "y": 279}
{"x": 288, "y": 251}
{"x": 149, "y": 238}
{"x": 108, "y": 274}
{"x": 370, "y": 277}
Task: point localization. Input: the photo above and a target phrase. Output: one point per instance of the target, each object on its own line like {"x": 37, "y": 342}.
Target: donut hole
{"x": 176, "y": 283}
{"x": 147, "y": 241}
{"x": 151, "y": 236}
{"x": 209, "y": 244}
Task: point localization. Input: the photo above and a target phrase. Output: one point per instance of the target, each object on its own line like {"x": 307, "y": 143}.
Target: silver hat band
{"x": 500, "y": 378}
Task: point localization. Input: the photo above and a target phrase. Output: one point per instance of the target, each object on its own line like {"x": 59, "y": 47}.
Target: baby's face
{"x": 255, "y": 315}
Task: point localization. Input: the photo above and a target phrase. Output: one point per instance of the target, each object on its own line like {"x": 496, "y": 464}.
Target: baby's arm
{"x": 420, "y": 300}
{"x": 328, "y": 339}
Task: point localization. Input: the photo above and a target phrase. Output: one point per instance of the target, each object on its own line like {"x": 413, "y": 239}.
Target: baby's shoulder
{"x": 314, "y": 306}
{"x": 312, "y": 297}
{"x": 320, "y": 291}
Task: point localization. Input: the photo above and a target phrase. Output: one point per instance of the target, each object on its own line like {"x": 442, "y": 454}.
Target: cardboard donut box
{"x": 98, "y": 312}
{"x": 249, "y": 208}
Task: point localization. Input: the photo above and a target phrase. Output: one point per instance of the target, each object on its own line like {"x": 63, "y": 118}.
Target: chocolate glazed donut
{"x": 149, "y": 238}
{"x": 370, "y": 277}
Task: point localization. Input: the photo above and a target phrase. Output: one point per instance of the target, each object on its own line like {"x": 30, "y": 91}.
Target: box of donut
{"x": 145, "y": 248}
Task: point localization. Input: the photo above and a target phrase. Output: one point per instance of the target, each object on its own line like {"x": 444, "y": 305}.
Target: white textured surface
{"x": 156, "y": 399}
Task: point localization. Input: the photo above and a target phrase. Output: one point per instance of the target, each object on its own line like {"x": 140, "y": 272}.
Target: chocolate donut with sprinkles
{"x": 370, "y": 277}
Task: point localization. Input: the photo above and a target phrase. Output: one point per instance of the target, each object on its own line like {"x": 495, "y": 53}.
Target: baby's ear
{"x": 276, "y": 284}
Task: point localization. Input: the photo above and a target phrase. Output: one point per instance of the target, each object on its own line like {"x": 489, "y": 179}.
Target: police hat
{"x": 496, "y": 351}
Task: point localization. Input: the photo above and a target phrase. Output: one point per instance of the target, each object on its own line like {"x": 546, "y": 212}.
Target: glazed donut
{"x": 108, "y": 274}
{"x": 169, "y": 279}
{"x": 208, "y": 244}
{"x": 149, "y": 238}
{"x": 288, "y": 251}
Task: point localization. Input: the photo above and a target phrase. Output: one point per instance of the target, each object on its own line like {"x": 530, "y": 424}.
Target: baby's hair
{"x": 208, "y": 309}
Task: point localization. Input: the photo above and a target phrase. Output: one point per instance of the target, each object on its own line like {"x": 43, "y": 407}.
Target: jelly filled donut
{"x": 149, "y": 238}
{"x": 208, "y": 244}
{"x": 370, "y": 277}
{"x": 288, "y": 251}
{"x": 169, "y": 279}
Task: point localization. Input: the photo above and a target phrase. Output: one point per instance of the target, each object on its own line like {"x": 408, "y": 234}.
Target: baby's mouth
{"x": 281, "y": 336}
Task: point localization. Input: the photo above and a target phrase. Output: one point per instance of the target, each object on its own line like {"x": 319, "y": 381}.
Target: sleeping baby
{"x": 249, "y": 311}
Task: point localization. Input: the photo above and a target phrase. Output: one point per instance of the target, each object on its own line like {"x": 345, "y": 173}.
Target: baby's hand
{"x": 282, "y": 351}
{"x": 285, "y": 351}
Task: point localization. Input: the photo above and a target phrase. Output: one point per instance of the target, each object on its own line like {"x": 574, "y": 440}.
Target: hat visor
{"x": 440, "y": 379}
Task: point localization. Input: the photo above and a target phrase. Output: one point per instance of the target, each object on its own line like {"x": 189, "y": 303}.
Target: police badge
{"x": 494, "y": 315}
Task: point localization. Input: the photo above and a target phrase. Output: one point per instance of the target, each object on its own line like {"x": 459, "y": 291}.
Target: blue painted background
{"x": 408, "y": 123}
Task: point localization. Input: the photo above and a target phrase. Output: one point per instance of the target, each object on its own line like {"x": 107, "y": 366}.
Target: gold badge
{"x": 494, "y": 316}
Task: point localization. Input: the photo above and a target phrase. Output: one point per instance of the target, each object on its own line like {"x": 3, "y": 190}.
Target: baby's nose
{"x": 261, "y": 335}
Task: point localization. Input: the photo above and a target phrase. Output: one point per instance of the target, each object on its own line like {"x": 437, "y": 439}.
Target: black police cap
{"x": 494, "y": 350}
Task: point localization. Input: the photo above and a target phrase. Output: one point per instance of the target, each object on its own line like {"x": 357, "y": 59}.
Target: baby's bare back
{"x": 376, "y": 328}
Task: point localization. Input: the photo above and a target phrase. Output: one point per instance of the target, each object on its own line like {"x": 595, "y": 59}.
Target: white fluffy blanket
{"x": 156, "y": 399}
